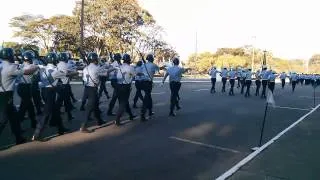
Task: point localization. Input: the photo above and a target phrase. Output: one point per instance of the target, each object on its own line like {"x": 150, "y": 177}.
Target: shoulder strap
{"x": 47, "y": 77}
{"x": 124, "y": 79}
{"x": 95, "y": 84}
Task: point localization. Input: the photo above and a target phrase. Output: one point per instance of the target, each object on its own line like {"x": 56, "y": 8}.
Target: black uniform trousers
{"x": 26, "y": 104}
{"x": 147, "y": 99}
{"x": 283, "y": 82}
{"x": 242, "y": 85}
{"x": 123, "y": 91}
{"x": 174, "y": 87}
{"x": 271, "y": 86}
{"x": 103, "y": 88}
{"x": 213, "y": 84}
{"x": 248, "y": 84}
{"x": 232, "y": 82}
{"x": 224, "y": 81}
{"x": 51, "y": 111}
{"x": 37, "y": 100}
{"x": 8, "y": 113}
{"x": 114, "y": 95}
{"x": 92, "y": 106}
{"x": 68, "y": 86}
{"x": 264, "y": 88}
{"x": 84, "y": 97}
{"x": 238, "y": 78}
{"x": 64, "y": 98}
{"x": 301, "y": 81}
{"x": 138, "y": 94}
{"x": 293, "y": 85}
{"x": 258, "y": 85}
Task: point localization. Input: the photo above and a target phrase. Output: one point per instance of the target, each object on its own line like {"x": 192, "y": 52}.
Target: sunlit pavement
{"x": 210, "y": 134}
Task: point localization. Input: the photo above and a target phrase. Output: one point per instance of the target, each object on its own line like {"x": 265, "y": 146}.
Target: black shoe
{"x": 172, "y": 114}
{"x": 86, "y": 130}
{"x": 20, "y": 140}
{"x": 82, "y": 108}
{"x": 108, "y": 97}
{"x": 151, "y": 113}
{"x": 101, "y": 122}
{"x": 178, "y": 108}
{"x": 132, "y": 117}
{"x": 63, "y": 130}
{"x": 110, "y": 114}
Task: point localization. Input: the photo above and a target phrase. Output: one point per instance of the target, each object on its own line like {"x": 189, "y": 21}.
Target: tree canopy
{"x": 109, "y": 26}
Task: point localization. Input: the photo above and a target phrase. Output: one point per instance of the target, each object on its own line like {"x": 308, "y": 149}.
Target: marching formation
{"x": 265, "y": 77}
{"x": 45, "y": 89}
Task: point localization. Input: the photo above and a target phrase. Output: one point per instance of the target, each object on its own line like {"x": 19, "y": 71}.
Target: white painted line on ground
{"x": 159, "y": 104}
{"x": 157, "y": 93}
{"x": 205, "y": 145}
{"x": 185, "y": 81}
{"x": 309, "y": 97}
{"x": 197, "y": 90}
{"x": 244, "y": 161}
{"x": 292, "y": 108}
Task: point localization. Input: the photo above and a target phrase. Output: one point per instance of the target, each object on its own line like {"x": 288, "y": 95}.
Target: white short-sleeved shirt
{"x": 9, "y": 74}
{"x": 213, "y": 73}
{"x": 125, "y": 74}
{"x": 91, "y": 74}
{"x": 149, "y": 69}
{"x": 175, "y": 73}
{"x": 50, "y": 76}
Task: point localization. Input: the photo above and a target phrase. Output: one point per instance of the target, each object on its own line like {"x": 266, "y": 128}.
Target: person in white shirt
{"x": 125, "y": 75}
{"x": 24, "y": 90}
{"x": 91, "y": 80}
{"x": 294, "y": 79}
{"x": 232, "y": 78}
{"x": 64, "y": 93}
{"x": 50, "y": 82}
{"x": 175, "y": 73}
{"x": 149, "y": 69}
{"x": 283, "y": 77}
{"x": 213, "y": 73}
{"x": 258, "y": 82}
{"x": 138, "y": 83}
{"x": 9, "y": 73}
{"x": 243, "y": 80}
{"x": 248, "y": 82}
{"x": 224, "y": 75}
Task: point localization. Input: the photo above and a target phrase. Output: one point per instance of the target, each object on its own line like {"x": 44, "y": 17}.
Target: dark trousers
{"x": 71, "y": 95}
{"x": 264, "y": 88}
{"x": 224, "y": 81}
{"x": 258, "y": 85}
{"x": 293, "y": 85}
{"x": 147, "y": 99}
{"x": 238, "y": 78}
{"x": 92, "y": 105}
{"x": 301, "y": 81}
{"x": 37, "y": 100}
{"x": 213, "y": 84}
{"x": 64, "y": 98}
{"x": 174, "y": 87}
{"x": 51, "y": 111}
{"x": 84, "y": 97}
{"x": 283, "y": 82}
{"x": 114, "y": 95}
{"x": 138, "y": 94}
{"x": 123, "y": 91}
{"x": 271, "y": 86}
{"x": 248, "y": 84}
{"x": 232, "y": 81}
{"x": 242, "y": 85}
{"x": 8, "y": 113}
{"x": 26, "y": 104}
{"x": 103, "y": 88}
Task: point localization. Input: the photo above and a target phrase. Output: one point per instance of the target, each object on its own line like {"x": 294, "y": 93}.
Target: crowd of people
{"x": 46, "y": 89}
{"x": 263, "y": 77}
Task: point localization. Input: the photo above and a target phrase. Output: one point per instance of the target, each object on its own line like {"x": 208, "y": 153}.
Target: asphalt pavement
{"x": 210, "y": 134}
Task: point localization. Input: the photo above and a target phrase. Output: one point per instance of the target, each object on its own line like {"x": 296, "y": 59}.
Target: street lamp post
{"x": 82, "y": 25}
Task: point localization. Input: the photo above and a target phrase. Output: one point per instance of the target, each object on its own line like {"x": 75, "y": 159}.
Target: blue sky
{"x": 289, "y": 29}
